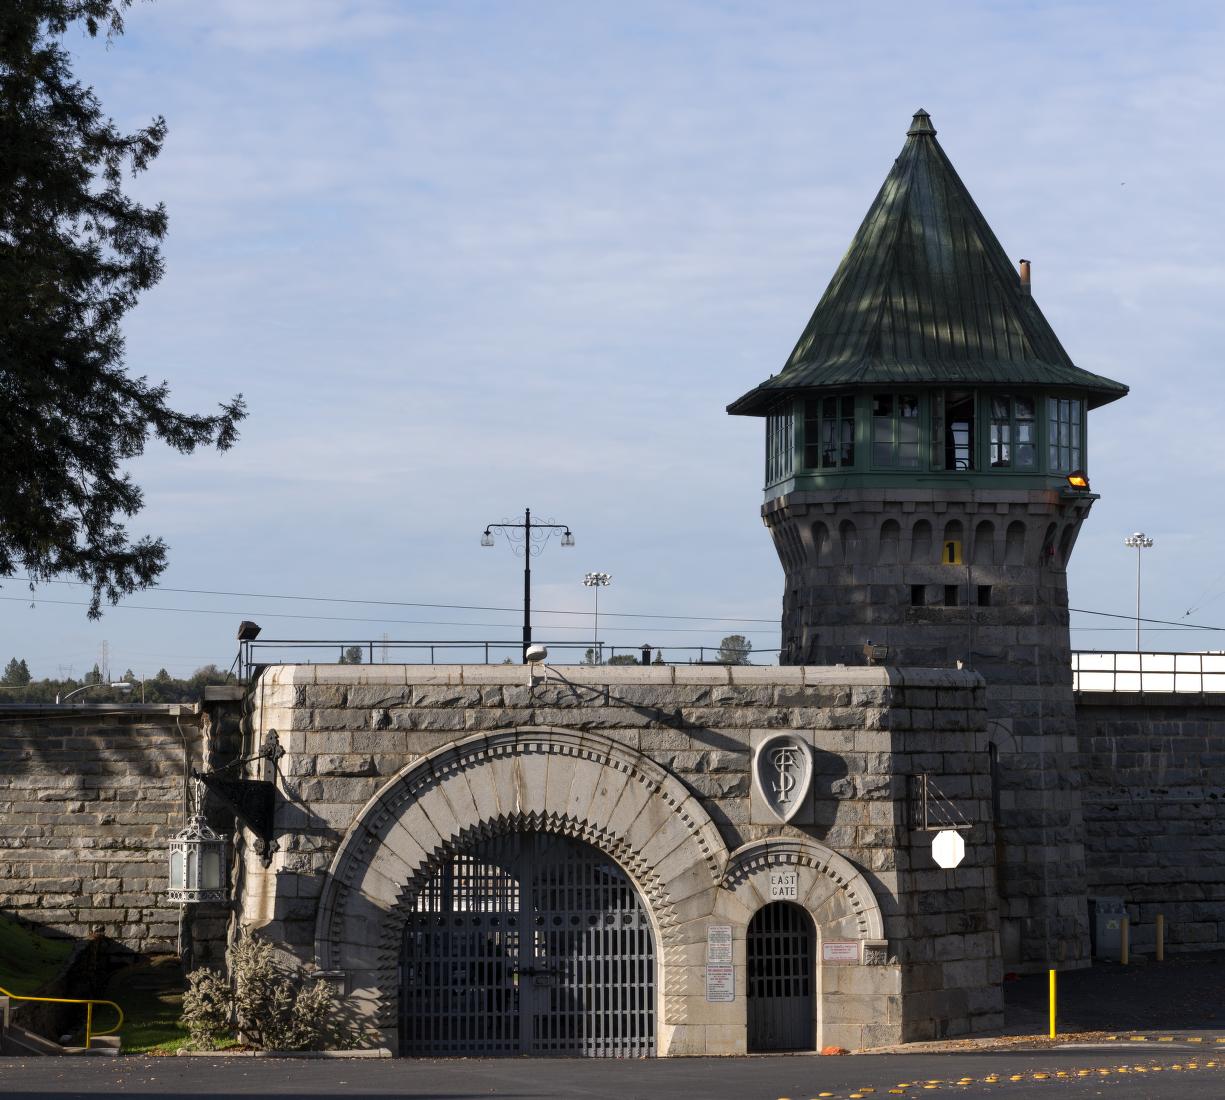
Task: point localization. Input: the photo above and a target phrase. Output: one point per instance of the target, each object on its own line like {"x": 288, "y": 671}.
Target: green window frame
{"x": 895, "y": 431}
{"x": 829, "y": 432}
{"x": 780, "y": 445}
{"x": 1065, "y": 434}
{"x": 1012, "y": 442}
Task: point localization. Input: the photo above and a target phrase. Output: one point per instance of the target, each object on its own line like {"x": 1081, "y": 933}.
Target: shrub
{"x": 267, "y": 1003}
{"x": 207, "y": 1008}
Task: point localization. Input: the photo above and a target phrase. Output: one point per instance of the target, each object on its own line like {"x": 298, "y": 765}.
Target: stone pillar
{"x": 876, "y": 565}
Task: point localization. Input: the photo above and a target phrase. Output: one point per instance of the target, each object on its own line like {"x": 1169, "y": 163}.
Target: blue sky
{"x": 467, "y": 257}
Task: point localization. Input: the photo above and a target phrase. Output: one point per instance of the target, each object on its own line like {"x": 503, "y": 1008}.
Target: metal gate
{"x": 528, "y": 944}
{"x": 780, "y": 978}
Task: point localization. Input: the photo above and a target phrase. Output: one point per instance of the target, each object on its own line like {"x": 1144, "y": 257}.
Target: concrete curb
{"x": 376, "y": 1052}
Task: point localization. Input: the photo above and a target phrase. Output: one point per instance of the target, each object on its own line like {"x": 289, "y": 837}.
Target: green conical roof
{"x": 926, "y": 295}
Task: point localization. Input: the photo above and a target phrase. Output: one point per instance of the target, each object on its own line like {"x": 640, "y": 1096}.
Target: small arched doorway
{"x": 529, "y": 943}
{"x": 780, "y": 978}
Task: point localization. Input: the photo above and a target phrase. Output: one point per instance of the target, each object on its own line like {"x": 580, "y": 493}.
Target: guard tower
{"x": 926, "y": 478}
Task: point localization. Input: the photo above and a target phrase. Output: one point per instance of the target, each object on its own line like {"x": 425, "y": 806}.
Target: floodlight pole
{"x": 527, "y": 538}
{"x": 596, "y": 581}
{"x": 1140, "y": 541}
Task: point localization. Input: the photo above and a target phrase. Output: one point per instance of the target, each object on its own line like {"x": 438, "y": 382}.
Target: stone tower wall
{"x": 853, "y": 559}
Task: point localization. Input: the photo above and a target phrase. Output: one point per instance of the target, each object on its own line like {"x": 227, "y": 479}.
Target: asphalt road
{"x": 1123, "y": 1071}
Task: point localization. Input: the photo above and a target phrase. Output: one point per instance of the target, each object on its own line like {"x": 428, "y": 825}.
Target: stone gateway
{"x": 579, "y": 866}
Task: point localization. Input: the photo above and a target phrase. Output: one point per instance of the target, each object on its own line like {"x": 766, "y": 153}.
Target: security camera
{"x": 536, "y": 653}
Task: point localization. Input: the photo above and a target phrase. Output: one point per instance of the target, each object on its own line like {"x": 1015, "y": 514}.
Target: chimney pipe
{"x": 1025, "y": 277}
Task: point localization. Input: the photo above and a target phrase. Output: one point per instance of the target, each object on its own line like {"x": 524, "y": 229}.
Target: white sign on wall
{"x": 720, "y": 974}
{"x": 948, "y": 849}
{"x": 720, "y": 983}
{"x": 840, "y": 951}
{"x": 719, "y": 944}
{"x": 784, "y": 884}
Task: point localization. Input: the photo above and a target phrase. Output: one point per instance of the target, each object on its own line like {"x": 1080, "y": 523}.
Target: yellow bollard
{"x": 1052, "y": 1004}
{"x": 1161, "y": 937}
{"x": 1123, "y": 940}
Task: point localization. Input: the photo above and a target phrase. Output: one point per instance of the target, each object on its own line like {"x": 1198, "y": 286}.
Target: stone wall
{"x": 356, "y": 732}
{"x": 88, "y": 796}
{"x": 1153, "y": 775}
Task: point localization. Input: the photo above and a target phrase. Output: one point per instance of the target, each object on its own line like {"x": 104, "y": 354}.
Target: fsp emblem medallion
{"x": 782, "y": 770}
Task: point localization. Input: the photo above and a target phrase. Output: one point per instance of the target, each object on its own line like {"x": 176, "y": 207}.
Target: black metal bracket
{"x": 253, "y": 801}
{"x": 932, "y": 811}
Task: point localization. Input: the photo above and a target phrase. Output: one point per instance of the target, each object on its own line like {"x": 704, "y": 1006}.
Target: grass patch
{"x": 27, "y": 960}
{"x": 151, "y": 996}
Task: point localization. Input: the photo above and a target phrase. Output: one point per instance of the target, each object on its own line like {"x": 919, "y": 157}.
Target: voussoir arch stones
{"x": 829, "y": 886}
{"x": 578, "y": 784}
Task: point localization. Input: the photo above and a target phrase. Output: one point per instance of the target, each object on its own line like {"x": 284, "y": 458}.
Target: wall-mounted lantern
{"x": 197, "y": 861}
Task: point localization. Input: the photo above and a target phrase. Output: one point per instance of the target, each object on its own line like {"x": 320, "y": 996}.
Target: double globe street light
{"x": 527, "y": 539}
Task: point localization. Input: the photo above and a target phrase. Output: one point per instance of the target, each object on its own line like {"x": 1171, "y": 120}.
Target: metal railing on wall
{"x": 1168, "y": 673}
{"x": 483, "y": 652}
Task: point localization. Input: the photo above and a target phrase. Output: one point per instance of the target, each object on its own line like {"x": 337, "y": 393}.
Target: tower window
{"x": 959, "y": 430}
{"x": 895, "y": 431}
{"x": 918, "y": 595}
{"x": 950, "y": 595}
{"x": 780, "y": 445}
{"x": 1063, "y": 427}
{"x": 1013, "y": 440}
{"x": 984, "y": 595}
{"x": 829, "y": 432}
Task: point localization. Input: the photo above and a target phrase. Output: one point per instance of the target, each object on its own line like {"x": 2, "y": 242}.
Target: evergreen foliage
{"x": 162, "y": 688}
{"x": 75, "y": 254}
{"x": 16, "y": 673}
{"x": 735, "y": 650}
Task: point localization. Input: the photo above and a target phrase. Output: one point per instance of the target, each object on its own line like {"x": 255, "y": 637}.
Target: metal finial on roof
{"x": 921, "y": 124}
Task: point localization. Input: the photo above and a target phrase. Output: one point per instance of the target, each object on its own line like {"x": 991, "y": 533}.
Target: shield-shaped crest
{"x": 782, "y": 770}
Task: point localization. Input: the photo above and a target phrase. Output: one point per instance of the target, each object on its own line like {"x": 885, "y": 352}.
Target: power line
{"x": 410, "y": 603}
{"x": 343, "y": 618}
{"x": 1133, "y": 618}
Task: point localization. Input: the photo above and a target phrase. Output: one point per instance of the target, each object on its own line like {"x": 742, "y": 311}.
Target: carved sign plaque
{"x": 784, "y": 884}
{"x": 782, "y": 771}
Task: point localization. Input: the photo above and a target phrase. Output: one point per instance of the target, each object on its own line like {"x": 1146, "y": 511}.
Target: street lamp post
{"x": 1140, "y": 541}
{"x": 527, "y": 538}
{"x": 596, "y": 581}
{"x": 118, "y": 685}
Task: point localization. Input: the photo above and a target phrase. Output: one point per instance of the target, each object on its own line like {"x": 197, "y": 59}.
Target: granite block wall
{"x": 88, "y": 797}
{"x": 1153, "y": 791}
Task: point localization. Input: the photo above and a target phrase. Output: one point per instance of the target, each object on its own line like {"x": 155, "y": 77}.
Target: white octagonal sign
{"x": 948, "y": 849}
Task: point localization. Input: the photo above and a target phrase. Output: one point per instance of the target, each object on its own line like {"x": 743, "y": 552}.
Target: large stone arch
{"x": 582, "y": 785}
